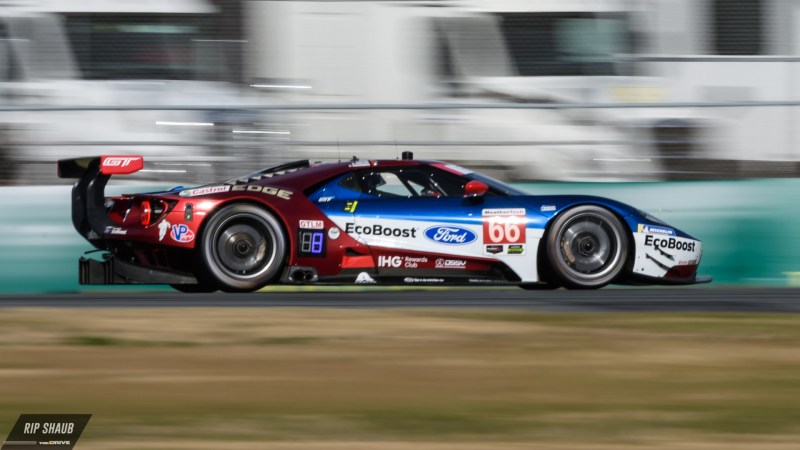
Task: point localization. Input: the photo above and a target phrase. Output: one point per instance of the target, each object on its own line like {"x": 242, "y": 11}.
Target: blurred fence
{"x": 199, "y": 143}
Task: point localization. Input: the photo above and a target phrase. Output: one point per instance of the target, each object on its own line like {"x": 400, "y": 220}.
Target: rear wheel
{"x": 243, "y": 248}
{"x": 587, "y": 247}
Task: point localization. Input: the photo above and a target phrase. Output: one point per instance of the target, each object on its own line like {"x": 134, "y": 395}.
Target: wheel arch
{"x": 282, "y": 220}
{"x": 543, "y": 265}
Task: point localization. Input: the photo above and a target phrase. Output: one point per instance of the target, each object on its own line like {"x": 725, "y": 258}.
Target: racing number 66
{"x": 504, "y": 232}
{"x": 508, "y": 230}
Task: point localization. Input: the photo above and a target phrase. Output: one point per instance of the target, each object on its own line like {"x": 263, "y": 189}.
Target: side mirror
{"x": 475, "y": 189}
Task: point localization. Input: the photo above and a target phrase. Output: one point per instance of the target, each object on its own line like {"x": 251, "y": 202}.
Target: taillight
{"x": 146, "y": 212}
{"x": 152, "y": 210}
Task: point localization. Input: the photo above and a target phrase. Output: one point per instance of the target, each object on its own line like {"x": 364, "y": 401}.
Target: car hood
{"x": 552, "y": 205}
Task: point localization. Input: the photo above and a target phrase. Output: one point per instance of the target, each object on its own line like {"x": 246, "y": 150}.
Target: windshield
{"x": 559, "y": 44}
{"x": 114, "y": 47}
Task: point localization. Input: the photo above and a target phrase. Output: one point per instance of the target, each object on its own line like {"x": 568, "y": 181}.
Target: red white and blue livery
{"x": 385, "y": 222}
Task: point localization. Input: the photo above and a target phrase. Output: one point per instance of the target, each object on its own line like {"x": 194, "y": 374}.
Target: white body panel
{"x": 656, "y": 253}
{"x": 412, "y": 238}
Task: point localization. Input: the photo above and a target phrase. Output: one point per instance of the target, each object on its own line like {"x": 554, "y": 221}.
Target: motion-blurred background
{"x": 689, "y": 109}
{"x": 590, "y": 90}
{"x": 698, "y": 98}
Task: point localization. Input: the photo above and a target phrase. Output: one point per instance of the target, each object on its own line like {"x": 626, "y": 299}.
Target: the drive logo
{"x": 182, "y": 233}
{"x": 450, "y": 235}
{"x": 669, "y": 243}
{"x": 36, "y": 430}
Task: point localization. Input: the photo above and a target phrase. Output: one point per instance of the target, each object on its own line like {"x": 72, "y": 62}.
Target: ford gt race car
{"x": 387, "y": 222}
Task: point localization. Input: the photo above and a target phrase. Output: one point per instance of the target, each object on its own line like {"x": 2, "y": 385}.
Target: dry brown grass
{"x": 395, "y": 379}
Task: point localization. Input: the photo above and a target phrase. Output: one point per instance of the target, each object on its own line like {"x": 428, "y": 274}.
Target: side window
{"x": 388, "y": 184}
{"x": 405, "y": 182}
{"x": 419, "y": 181}
{"x": 439, "y": 181}
{"x": 379, "y": 184}
{"x": 351, "y": 182}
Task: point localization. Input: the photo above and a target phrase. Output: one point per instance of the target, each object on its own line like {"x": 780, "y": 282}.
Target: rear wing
{"x": 88, "y": 198}
{"x": 108, "y": 165}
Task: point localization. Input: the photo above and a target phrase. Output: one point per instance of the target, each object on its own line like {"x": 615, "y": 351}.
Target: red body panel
{"x": 390, "y": 238}
{"x": 284, "y": 195}
{"x": 121, "y": 164}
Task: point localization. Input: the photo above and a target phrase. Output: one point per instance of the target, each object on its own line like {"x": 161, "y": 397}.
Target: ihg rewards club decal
{"x": 54, "y": 431}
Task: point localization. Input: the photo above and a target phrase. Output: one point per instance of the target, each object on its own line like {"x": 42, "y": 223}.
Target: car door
{"x": 420, "y": 227}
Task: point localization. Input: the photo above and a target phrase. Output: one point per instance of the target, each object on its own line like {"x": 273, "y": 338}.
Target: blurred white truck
{"x": 721, "y": 51}
{"x": 489, "y": 52}
{"x": 110, "y": 52}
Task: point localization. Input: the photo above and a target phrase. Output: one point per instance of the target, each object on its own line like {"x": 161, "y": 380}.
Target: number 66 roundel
{"x": 504, "y": 226}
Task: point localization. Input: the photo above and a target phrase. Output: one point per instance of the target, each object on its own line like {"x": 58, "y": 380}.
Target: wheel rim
{"x": 243, "y": 246}
{"x": 589, "y": 246}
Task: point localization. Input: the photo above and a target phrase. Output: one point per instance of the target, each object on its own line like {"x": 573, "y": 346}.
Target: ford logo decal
{"x": 451, "y": 235}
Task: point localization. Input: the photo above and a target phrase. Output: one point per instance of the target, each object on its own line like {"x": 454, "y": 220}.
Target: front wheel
{"x": 243, "y": 248}
{"x": 587, "y": 247}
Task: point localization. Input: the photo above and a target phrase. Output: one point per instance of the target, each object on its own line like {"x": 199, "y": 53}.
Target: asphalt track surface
{"x": 604, "y": 300}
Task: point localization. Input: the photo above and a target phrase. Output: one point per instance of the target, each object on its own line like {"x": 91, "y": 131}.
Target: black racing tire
{"x": 587, "y": 247}
{"x": 243, "y": 248}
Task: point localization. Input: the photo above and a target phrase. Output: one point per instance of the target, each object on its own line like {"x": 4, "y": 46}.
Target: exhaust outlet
{"x": 298, "y": 275}
{"x": 302, "y": 275}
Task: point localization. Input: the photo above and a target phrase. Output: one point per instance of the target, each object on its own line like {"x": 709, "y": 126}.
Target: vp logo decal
{"x": 182, "y": 233}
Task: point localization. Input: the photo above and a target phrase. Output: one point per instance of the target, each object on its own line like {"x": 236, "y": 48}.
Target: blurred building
{"x": 720, "y": 52}
{"x": 485, "y": 53}
{"x": 68, "y": 57}
{"x": 712, "y": 52}
{"x": 493, "y": 57}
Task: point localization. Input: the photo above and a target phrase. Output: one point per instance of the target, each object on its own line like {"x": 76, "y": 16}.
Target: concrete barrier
{"x": 747, "y": 226}
{"x": 39, "y": 248}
